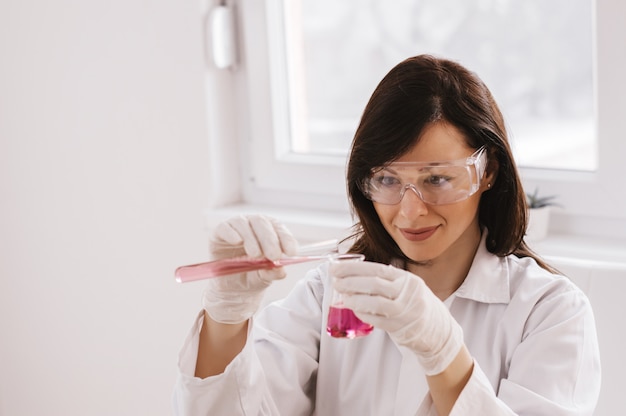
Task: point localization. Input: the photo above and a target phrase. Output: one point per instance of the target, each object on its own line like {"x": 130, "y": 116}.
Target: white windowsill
{"x": 575, "y": 249}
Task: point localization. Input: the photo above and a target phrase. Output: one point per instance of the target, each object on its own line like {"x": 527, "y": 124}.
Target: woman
{"x": 467, "y": 319}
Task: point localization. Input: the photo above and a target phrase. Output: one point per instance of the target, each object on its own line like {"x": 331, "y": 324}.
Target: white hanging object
{"x": 222, "y": 34}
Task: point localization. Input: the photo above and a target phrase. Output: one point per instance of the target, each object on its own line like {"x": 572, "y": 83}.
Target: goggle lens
{"x": 435, "y": 183}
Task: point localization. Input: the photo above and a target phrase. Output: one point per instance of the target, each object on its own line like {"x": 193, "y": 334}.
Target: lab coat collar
{"x": 488, "y": 277}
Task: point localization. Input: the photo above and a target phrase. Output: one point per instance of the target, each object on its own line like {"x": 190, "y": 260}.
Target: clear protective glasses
{"x": 436, "y": 183}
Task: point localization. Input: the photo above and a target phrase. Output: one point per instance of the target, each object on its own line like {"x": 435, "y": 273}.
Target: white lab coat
{"x": 532, "y": 336}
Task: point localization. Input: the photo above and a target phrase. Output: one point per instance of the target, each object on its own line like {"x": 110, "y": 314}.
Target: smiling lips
{"x": 419, "y": 234}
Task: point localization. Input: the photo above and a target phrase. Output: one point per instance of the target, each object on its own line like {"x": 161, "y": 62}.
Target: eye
{"x": 437, "y": 180}
{"x": 383, "y": 180}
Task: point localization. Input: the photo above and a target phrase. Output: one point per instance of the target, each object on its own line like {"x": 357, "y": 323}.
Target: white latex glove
{"x": 400, "y": 303}
{"x": 234, "y": 299}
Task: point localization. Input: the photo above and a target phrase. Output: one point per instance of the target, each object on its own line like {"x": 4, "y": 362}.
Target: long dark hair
{"x": 422, "y": 90}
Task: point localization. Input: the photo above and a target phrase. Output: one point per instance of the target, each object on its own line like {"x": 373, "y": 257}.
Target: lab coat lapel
{"x": 412, "y": 385}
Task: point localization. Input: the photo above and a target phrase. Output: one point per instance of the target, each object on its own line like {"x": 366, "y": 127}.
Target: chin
{"x": 419, "y": 256}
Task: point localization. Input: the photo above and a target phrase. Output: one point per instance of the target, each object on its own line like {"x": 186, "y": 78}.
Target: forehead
{"x": 438, "y": 142}
{"x": 406, "y": 169}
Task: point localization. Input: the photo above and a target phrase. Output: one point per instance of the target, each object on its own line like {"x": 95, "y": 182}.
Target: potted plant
{"x": 539, "y": 208}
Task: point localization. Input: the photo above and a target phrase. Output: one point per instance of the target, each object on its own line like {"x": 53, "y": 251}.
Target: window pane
{"x": 535, "y": 56}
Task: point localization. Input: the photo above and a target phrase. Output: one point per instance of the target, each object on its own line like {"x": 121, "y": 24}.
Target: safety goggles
{"x": 436, "y": 183}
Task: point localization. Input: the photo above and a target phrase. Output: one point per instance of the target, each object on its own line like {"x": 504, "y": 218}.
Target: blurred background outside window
{"x": 535, "y": 55}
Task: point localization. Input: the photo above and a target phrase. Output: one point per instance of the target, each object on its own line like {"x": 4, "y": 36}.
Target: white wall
{"x": 103, "y": 180}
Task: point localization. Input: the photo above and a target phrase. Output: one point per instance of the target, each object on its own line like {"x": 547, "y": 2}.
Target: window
{"x": 567, "y": 99}
{"x": 535, "y": 56}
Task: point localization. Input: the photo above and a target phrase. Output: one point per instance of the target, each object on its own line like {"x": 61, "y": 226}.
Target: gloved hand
{"x": 400, "y": 303}
{"x": 234, "y": 299}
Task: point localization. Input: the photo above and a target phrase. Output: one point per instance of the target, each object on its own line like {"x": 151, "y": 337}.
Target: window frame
{"x": 270, "y": 176}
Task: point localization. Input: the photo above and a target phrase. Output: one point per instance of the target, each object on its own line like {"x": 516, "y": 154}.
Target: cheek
{"x": 456, "y": 217}
{"x": 464, "y": 213}
{"x": 386, "y": 213}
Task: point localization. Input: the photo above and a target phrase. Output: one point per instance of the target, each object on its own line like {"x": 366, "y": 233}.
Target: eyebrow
{"x": 475, "y": 155}
{"x": 422, "y": 168}
{"x": 392, "y": 165}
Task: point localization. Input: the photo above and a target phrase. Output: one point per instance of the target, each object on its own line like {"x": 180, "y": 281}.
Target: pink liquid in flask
{"x": 343, "y": 323}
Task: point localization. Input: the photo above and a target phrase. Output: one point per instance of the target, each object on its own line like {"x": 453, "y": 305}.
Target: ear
{"x": 490, "y": 176}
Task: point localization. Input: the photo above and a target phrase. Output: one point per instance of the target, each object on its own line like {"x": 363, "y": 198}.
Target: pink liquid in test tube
{"x": 343, "y": 323}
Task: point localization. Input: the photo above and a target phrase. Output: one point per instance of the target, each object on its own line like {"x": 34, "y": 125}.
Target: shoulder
{"x": 519, "y": 282}
{"x": 526, "y": 275}
{"x": 540, "y": 291}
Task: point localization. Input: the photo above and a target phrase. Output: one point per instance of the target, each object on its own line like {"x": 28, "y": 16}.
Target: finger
{"x": 369, "y": 285}
{"x": 365, "y": 268}
{"x": 225, "y": 232}
{"x": 288, "y": 243}
{"x": 371, "y": 305}
{"x": 380, "y": 312}
{"x": 268, "y": 276}
{"x": 266, "y": 236}
{"x": 242, "y": 226}
{"x": 226, "y": 241}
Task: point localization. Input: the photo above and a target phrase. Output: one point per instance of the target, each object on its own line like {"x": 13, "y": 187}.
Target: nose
{"x": 412, "y": 188}
{"x": 413, "y": 204}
